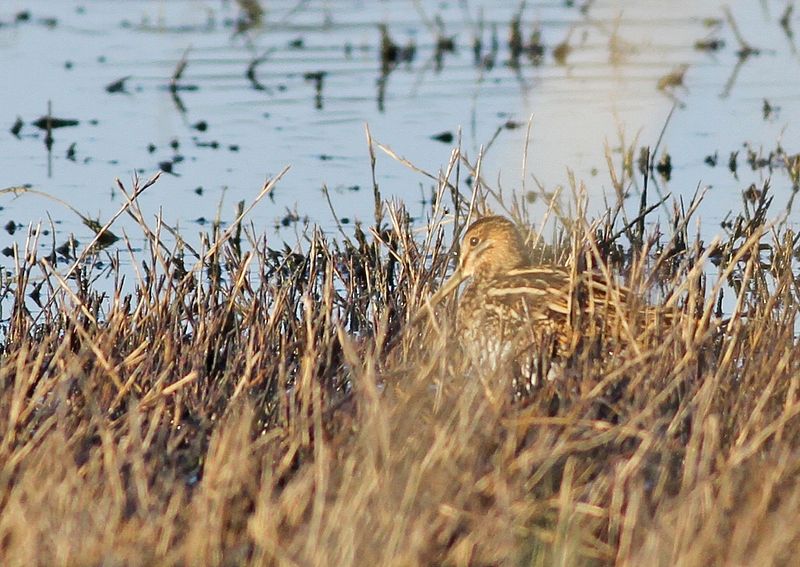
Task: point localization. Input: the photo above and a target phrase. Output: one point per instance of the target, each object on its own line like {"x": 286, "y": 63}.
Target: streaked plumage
{"x": 515, "y": 314}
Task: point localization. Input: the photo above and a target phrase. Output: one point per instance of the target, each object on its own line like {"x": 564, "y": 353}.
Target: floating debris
{"x": 252, "y": 15}
{"x": 713, "y": 44}
{"x": 768, "y": 111}
{"x": 664, "y": 166}
{"x": 562, "y": 51}
{"x": 515, "y": 37}
{"x": 117, "y": 86}
{"x": 673, "y": 79}
{"x": 52, "y": 123}
{"x": 732, "y": 163}
{"x": 66, "y": 250}
{"x": 391, "y": 53}
{"x": 745, "y": 49}
{"x": 752, "y": 193}
{"x": 16, "y": 128}
{"x": 536, "y": 48}
{"x": 104, "y": 238}
{"x": 318, "y": 78}
{"x": 786, "y": 20}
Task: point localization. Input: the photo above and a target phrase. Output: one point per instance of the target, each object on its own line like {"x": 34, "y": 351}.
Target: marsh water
{"x": 296, "y": 82}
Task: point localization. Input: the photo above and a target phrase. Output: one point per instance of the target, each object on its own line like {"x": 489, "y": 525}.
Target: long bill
{"x": 448, "y": 287}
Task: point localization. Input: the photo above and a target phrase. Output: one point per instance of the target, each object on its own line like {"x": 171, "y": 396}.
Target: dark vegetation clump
{"x": 251, "y": 404}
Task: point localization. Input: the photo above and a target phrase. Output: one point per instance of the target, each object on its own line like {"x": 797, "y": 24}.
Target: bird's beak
{"x": 447, "y": 288}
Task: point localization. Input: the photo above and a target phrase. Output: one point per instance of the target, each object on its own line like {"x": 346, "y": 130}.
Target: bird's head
{"x": 492, "y": 245}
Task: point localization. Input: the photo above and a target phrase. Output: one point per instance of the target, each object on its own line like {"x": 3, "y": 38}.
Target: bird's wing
{"x": 546, "y": 292}
{"x": 532, "y": 293}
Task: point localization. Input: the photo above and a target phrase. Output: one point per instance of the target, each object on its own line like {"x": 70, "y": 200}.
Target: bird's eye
{"x": 474, "y": 241}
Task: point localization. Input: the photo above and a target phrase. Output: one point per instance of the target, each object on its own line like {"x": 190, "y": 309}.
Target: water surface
{"x": 319, "y": 80}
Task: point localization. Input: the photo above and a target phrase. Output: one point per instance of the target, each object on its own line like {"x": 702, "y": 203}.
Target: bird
{"x": 515, "y": 316}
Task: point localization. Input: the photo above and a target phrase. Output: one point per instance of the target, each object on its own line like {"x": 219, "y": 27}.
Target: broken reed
{"x": 262, "y": 406}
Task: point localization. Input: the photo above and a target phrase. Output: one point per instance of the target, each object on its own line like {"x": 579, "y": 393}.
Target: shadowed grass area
{"x": 242, "y": 405}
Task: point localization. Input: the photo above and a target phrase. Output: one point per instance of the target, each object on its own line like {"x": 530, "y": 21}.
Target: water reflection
{"x": 221, "y": 97}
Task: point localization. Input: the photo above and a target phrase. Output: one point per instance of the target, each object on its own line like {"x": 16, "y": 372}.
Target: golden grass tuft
{"x": 258, "y": 406}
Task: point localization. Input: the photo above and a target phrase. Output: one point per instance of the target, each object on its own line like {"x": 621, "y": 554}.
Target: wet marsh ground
{"x": 257, "y": 406}
{"x": 223, "y": 398}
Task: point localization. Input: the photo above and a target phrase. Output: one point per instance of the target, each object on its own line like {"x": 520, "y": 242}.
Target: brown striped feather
{"x": 511, "y": 306}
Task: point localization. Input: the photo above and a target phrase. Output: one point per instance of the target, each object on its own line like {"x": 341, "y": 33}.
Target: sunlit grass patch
{"x": 247, "y": 403}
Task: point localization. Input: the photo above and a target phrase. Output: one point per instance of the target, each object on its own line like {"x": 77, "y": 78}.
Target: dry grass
{"x": 269, "y": 407}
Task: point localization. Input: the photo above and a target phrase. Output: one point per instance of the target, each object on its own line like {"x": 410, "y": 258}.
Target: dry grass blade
{"x": 268, "y": 406}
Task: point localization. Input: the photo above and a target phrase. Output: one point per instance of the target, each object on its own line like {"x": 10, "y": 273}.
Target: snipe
{"x": 515, "y": 315}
